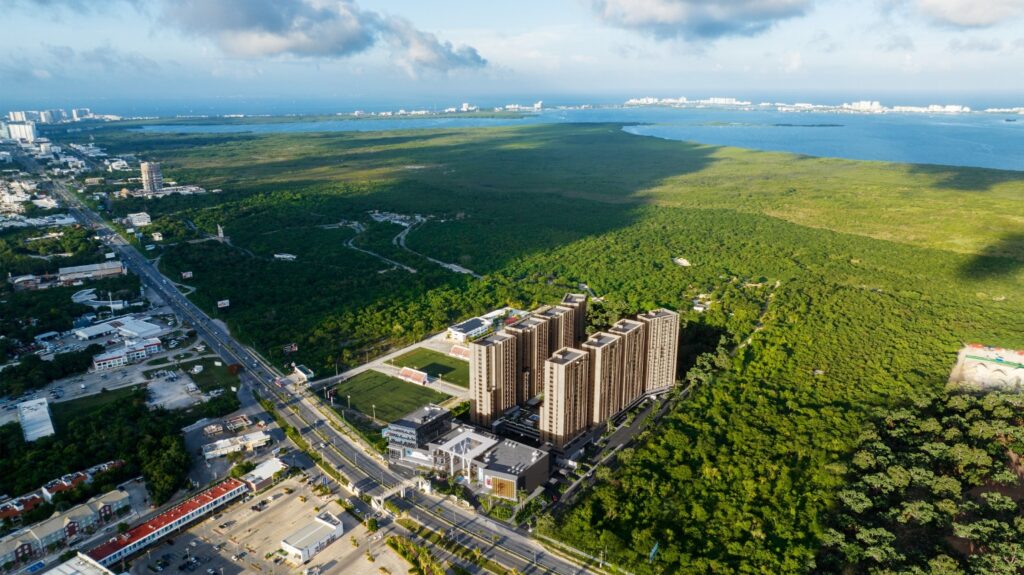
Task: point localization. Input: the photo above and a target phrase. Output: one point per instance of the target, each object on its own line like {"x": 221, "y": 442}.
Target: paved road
{"x": 368, "y": 474}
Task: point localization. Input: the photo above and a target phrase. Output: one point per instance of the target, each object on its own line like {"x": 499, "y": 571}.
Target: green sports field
{"x": 436, "y": 364}
{"x": 393, "y": 397}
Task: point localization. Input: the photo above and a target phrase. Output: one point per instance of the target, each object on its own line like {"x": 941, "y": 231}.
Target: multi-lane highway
{"x": 510, "y": 547}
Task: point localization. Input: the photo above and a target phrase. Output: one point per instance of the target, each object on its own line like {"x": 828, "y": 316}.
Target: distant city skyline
{"x": 59, "y": 52}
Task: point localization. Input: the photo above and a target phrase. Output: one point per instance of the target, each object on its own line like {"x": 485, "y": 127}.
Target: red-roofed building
{"x": 16, "y": 507}
{"x": 141, "y": 536}
{"x": 62, "y": 484}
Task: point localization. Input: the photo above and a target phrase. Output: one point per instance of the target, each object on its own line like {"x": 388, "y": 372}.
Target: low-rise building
{"x": 138, "y": 220}
{"x": 72, "y": 274}
{"x": 501, "y": 467}
{"x": 34, "y": 417}
{"x": 467, "y": 330}
{"x": 131, "y": 352}
{"x": 409, "y": 436}
{"x": 313, "y": 538}
{"x": 63, "y": 484}
{"x": 263, "y": 475}
{"x": 79, "y": 565}
{"x": 247, "y": 442}
{"x": 141, "y": 536}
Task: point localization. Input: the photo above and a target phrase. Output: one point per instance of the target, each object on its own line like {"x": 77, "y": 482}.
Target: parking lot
{"x": 241, "y": 540}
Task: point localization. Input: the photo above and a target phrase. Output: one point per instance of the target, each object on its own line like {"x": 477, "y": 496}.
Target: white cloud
{"x": 696, "y": 19}
{"x": 963, "y": 13}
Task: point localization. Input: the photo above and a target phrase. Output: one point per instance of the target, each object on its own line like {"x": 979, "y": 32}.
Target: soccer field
{"x": 392, "y": 397}
{"x": 450, "y": 369}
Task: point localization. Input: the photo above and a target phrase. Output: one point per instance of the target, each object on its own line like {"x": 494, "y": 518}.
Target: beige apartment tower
{"x": 566, "y": 412}
{"x": 152, "y": 179}
{"x": 662, "y": 327}
{"x": 531, "y": 335}
{"x": 606, "y": 375}
{"x": 634, "y": 358}
{"x": 561, "y": 326}
{"x": 577, "y": 302}
{"x": 492, "y": 377}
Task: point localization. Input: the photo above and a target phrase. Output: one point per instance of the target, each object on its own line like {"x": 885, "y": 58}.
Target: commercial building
{"x": 634, "y": 358}
{"x": 262, "y": 476}
{"x": 313, "y": 538}
{"x": 561, "y": 326}
{"x": 34, "y": 417}
{"x": 25, "y": 131}
{"x": 501, "y": 466}
{"x": 577, "y": 302}
{"x": 662, "y": 329}
{"x": 492, "y": 377}
{"x": 72, "y": 274}
{"x": 606, "y": 374}
{"x": 531, "y": 335}
{"x": 152, "y": 179}
{"x": 131, "y": 352}
{"x": 989, "y": 367}
{"x": 247, "y": 442}
{"x": 138, "y": 220}
{"x": 79, "y": 114}
{"x": 566, "y": 412}
{"x": 81, "y": 564}
{"x": 141, "y": 536}
{"x": 408, "y": 436}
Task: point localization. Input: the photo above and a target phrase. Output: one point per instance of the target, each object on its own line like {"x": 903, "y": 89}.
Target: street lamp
{"x": 374, "y": 406}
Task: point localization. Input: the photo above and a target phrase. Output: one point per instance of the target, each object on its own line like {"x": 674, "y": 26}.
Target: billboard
{"x": 223, "y": 303}
{"x": 186, "y": 275}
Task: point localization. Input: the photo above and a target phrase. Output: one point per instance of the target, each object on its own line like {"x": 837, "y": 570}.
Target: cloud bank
{"x": 314, "y": 29}
{"x": 698, "y": 19}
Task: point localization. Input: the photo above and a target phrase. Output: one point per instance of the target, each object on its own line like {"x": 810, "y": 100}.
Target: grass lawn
{"x": 65, "y": 411}
{"x": 158, "y": 361}
{"x": 436, "y": 364}
{"x": 393, "y": 397}
{"x": 212, "y": 376}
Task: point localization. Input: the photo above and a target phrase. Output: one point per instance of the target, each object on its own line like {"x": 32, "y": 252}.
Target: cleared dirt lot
{"x": 254, "y": 537}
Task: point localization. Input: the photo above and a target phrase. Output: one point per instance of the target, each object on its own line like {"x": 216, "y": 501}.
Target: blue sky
{"x": 445, "y": 51}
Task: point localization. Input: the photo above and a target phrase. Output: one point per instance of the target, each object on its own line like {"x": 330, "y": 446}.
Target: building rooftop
{"x": 601, "y": 339}
{"x": 90, "y": 268}
{"x": 469, "y": 325}
{"x": 511, "y": 457}
{"x": 34, "y": 417}
{"x": 80, "y": 565}
{"x": 322, "y": 525}
{"x": 528, "y": 322}
{"x": 421, "y": 416}
{"x": 255, "y": 437}
{"x": 658, "y": 313}
{"x": 574, "y": 298}
{"x": 552, "y": 311}
{"x": 493, "y": 339}
{"x": 567, "y": 355}
{"x": 465, "y": 442}
{"x": 265, "y": 470}
{"x": 625, "y": 326}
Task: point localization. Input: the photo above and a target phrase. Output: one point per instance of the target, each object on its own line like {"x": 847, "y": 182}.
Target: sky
{"x": 443, "y": 52}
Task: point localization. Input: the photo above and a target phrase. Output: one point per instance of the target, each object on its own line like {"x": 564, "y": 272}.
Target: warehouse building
{"x": 79, "y": 565}
{"x": 302, "y": 545}
{"x": 70, "y": 275}
{"x": 34, "y": 417}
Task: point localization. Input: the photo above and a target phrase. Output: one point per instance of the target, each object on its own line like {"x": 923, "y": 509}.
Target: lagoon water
{"x": 979, "y": 140}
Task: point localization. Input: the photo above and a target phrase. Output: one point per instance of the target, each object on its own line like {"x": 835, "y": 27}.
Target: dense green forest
{"x": 19, "y": 255}
{"x": 840, "y": 286}
{"x": 934, "y": 488}
{"x": 148, "y": 440}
